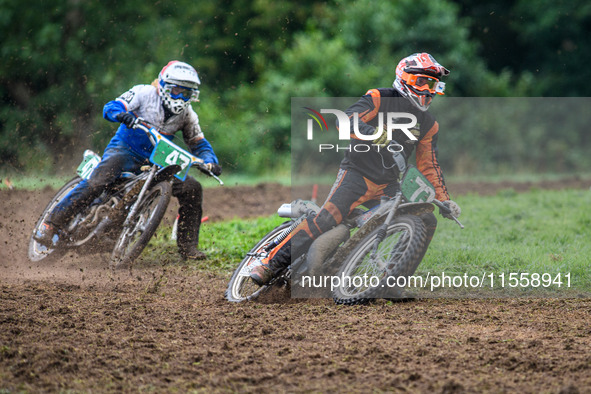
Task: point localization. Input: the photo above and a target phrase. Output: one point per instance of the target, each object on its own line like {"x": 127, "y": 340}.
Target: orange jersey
{"x": 379, "y": 165}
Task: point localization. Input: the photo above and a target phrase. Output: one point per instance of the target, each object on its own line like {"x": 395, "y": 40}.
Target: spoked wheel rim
{"x": 37, "y": 251}
{"x": 132, "y": 233}
{"x": 242, "y": 287}
{"x": 376, "y": 264}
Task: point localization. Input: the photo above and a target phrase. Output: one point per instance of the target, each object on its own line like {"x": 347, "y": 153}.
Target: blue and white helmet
{"x": 178, "y": 85}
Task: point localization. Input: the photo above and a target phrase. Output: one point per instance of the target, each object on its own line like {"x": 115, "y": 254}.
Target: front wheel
{"x": 371, "y": 269}
{"x": 137, "y": 234}
{"x": 241, "y": 287}
{"x": 38, "y": 252}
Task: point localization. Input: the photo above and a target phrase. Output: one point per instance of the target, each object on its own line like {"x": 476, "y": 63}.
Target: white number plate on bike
{"x": 167, "y": 153}
{"x": 415, "y": 187}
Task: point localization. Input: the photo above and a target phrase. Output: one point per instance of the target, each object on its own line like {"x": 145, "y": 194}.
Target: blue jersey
{"x": 145, "y": 102}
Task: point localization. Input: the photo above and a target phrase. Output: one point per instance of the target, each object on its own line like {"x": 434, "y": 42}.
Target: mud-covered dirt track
{"x": 74, "y": 326}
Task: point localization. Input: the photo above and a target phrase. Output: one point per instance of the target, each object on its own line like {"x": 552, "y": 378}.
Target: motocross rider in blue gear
{"x": 166, "y": 104}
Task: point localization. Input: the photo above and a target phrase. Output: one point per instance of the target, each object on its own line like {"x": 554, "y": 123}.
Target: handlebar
{"x": 154, "y": 135}
{"x": 446, "y": 211}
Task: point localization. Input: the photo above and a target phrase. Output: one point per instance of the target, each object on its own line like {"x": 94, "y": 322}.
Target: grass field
{"x": 542, "y": 231}
{"x": 508, "y": 238}
{"x": 224, "y": 242}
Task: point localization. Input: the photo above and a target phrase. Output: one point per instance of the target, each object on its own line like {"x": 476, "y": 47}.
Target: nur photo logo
{"x": 386, "y": 123}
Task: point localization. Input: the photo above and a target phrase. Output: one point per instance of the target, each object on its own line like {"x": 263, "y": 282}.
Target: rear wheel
{"x": 241, "y": 287}
{"x": 38, "y": 252}
{"x": 369, "y": 270}
{"x": 134, "y": 238}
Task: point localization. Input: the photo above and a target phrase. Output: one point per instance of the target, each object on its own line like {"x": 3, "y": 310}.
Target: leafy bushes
{"x": 62, "y": 63}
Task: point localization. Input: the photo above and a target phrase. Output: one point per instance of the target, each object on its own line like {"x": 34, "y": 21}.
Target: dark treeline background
{"x": 63, "y": 60}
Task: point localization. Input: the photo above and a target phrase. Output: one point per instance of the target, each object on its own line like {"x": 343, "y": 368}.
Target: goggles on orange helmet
{"x": 423, "y": 83}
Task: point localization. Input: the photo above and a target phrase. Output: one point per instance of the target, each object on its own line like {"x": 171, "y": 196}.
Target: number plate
{"x": 88, "y": 164}
{"x": 416, "y": 188}
{"x": 167, "y": 153}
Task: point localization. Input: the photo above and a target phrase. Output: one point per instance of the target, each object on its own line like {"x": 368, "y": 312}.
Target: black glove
{"x": 215, "y": 169}
{"x": 126, "y": 118}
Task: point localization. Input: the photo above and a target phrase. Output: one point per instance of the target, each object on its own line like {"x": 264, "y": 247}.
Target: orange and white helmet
{"x": 178, "y": 84}
{"x": 418, "y": 79}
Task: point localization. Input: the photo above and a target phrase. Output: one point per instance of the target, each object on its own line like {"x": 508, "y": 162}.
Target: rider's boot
{"x": 278, "y": 261}
{"x": 270, "y": 267}
{"x": 262, "y": 273}
{"x": 48, "y": 235}
{"x": 190, "y": 196}
{"x": 191, "y": 253}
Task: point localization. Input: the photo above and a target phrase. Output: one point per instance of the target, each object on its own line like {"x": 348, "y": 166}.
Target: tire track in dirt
{"x": 73, "y": 325}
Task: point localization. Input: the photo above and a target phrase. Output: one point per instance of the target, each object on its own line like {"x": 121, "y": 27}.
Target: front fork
{"x": 136, "y": 205}
{"x": 382, "y": 231}
{"x": 125, "y": 233}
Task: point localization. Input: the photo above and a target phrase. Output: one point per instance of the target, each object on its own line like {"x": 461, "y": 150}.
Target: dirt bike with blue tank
{"x": 388, "y": 240}
{"x": 126, "y": 215}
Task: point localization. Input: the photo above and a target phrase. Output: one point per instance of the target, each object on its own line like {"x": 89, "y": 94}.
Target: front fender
{"x": 166, "y": 173}
{"x": 415, "y": 208}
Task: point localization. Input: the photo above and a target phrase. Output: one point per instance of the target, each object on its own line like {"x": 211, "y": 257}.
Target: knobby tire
{"x": 241, "y": 287}
{"x": 404, "y": 244}
{"x": 38, "y": 252}
{"x": 155, "y": 204}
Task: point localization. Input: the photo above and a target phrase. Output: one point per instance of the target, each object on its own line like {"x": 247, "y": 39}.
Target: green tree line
{"x": 63, "y": 60}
